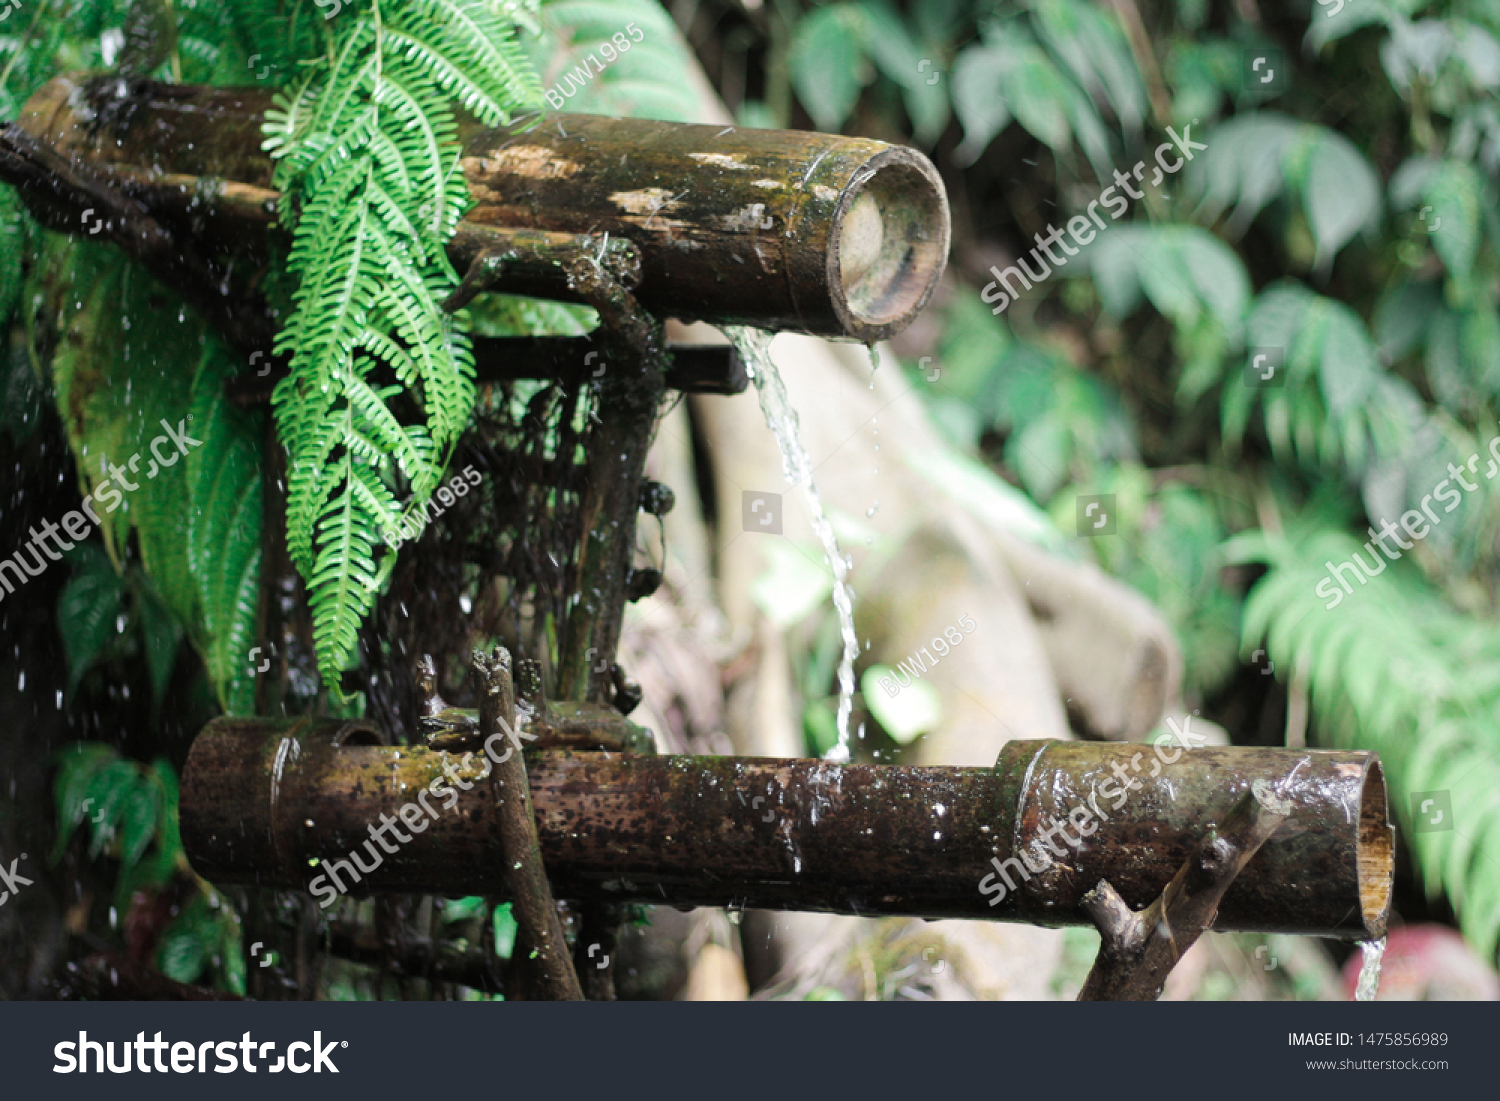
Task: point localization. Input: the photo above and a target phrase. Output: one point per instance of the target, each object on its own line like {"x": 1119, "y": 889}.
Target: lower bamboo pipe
{"x": 284, "y": 803}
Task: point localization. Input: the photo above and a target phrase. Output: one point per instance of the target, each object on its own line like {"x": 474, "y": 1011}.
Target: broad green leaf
{"x": 1455, "y": 191}
{"x": 88, "y": 610}
{"x": 1341, "y": 193}
{"x": 461, "y": 909}
{"x": 1479, "y": 52}
{"x": 504, "y": 924}
{"x": 1347, "y": 369}
{"x": 138, "y": 821}
{"x": 1097, "y": 53}
{"x": 1038, "y": 97}
{"x": 644, "y": 81}
{"x": 890, "y": 43}
{"x": 1479, "y": 347}
{"x": 914, "y": 708}
{"x": 108, "y": 790}
{"x": 1332, "y": 21}
{"x": 1402, "y": 318}
{"x": 1041, "y": 454}
{"x": 826, "y": 61}
{"x": 168, "y": 833}
{"x": 11, "y": 252}
{"x": 979, "y": 97}
{"x": 794, "y": 583}
{"x": 162, "y": 634}
{"x": 77, "y": 765}
{"x": 188, "y": 942}
{"x": 1243, "y": 164}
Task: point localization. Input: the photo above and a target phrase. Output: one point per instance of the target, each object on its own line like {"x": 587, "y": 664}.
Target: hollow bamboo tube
{"x": 780, "y": 229}
{"x": 272, "y": 802}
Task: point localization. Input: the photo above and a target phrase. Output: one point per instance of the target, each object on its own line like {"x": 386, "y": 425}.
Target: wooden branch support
{"x": 1140, "y": 949}
{"x": 534, "y": 908}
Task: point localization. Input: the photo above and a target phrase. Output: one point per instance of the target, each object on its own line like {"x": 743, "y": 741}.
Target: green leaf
{"x": 168, "y": 833}
{"x": 644, "y": 81}
{"x": 1348, "y": 367}
{"x": 109, "y": 789}
{"x": 1042, "y": 455}
{"x": 1038, "y": 97}
{"x": 1479, "y": 343}
{"x": 77, "y": 765}
{"x": 88, "y": 609}
{"x": 504, "y": 924}
{"x": 979, "y": 98}
{"x": 915, "y": 708}
{"x": 461, "y": 909}
{"x": 162, "y": 633}
{"x": 1455, "y": 192}
{"x": 826, "y": 60}
{"x": 1403, "y": 317}
{"x": 1097, "y": 54}
{"x": 138, "y": 822}
{"x": 188, "y": 942}
{"x": 794, "y": 582}
{"x": 12, "y": 236}
{"x": 1341, "y": 193}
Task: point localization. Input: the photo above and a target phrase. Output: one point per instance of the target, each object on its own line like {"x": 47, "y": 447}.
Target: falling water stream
{"x": 754, "y": 347}
{"x": 1369, "y": 970}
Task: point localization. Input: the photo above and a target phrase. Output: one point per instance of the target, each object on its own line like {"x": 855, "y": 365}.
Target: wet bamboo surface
{"x": 780, "y": 229}
{"x": 271, "y": 802}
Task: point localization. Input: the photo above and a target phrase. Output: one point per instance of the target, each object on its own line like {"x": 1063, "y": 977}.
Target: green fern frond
{"x": 1425, "y": 696}
{"x": 367, "y": 157}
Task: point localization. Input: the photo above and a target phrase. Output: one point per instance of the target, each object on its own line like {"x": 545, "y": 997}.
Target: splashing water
{"x": 1369, "y": 971}
{"x": 754, "y": 347}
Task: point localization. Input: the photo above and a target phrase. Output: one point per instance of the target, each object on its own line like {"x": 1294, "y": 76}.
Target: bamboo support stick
{"x": 1140, "y": 949}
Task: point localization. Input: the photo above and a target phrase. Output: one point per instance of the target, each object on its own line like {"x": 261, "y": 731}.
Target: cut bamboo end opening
{"x": 1375, "y": 863}
{"x": 891, "y": 244}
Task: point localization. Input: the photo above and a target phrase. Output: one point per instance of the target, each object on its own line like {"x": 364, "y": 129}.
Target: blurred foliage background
{"x": 1342, "y": 220}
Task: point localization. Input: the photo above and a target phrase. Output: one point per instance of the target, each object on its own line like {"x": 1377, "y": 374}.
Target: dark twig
{"x": 533, "y": 905}
{"x": 1141, "y": 948}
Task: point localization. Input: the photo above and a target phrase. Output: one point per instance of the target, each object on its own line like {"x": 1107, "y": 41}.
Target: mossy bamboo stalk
{"x": 779, "y": 229}
{"x": 264, "y": 799}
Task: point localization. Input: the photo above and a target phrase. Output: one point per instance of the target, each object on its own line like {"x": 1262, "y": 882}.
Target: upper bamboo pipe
{"x": 779, "y": 229}
{"x": 272, "y": 802}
